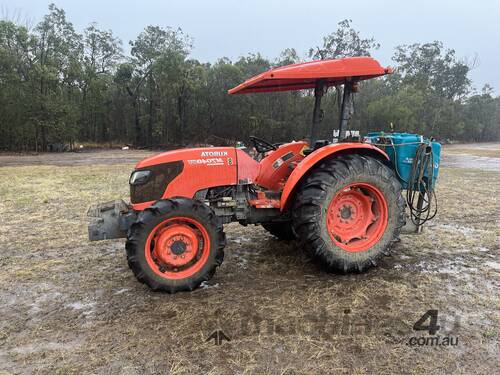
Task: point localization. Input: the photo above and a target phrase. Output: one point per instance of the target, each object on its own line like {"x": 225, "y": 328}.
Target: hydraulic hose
{"x": 420, "y": 195}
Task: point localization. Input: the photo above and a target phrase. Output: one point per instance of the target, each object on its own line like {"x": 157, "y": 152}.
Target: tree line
{"x": 59, "y": 86}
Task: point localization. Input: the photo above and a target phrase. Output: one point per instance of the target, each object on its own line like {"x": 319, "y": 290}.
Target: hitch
{"x": 110, "y": 220}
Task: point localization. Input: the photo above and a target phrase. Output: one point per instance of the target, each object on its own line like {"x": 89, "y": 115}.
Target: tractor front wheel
{"x": 348, "y": 212}
{"x": 175, "y": 245}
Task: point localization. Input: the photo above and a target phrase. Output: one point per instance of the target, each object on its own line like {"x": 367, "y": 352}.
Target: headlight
{"x": 139, "y": 177}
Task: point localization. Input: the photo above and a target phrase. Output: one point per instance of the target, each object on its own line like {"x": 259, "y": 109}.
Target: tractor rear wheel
{"x": 348, "y": 212}
{"x": 175, "y": 245}
{"x": 282, "y": 230}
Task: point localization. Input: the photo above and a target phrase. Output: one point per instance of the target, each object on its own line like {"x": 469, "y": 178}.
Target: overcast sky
{"x": 235, "y": 28}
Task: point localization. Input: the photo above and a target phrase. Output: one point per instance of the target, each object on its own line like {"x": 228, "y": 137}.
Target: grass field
{"x": 68, "y": 306}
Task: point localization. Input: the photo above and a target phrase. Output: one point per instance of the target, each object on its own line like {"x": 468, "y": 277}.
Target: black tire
{"x": 154, "y": 215}
{"x": 313, "y": 199}
{"x": 282, "y": 230}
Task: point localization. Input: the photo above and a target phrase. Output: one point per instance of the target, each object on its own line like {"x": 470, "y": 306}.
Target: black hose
{"x": 420, "y": 194}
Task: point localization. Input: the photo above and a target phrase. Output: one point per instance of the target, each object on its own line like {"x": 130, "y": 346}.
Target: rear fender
{"x": 317, "y": 156}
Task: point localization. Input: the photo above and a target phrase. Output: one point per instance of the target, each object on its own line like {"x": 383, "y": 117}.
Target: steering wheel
{"x": 261, "y": 145}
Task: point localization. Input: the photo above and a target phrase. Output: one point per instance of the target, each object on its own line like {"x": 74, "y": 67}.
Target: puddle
{"x": 484, "y": 163}
{"x": 206, "y": 285}
{"x": 46, "y": 346}
{"x": 459, "y": 267}
{"x": 121, "y": 291}
{"x": 76, "y": 305}
{"x": 86, "y": 309}
{"x": 242, "y": 262}
{"x": 239, "y": 239}
{"x": 494, "y": 265}
{"x": 454, "y": 228}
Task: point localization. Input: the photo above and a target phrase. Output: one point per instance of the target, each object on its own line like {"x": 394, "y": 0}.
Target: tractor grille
{"x": 154, "y": 187}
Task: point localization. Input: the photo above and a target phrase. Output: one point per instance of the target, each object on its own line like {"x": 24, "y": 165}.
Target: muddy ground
{"x": 69, "y": 306}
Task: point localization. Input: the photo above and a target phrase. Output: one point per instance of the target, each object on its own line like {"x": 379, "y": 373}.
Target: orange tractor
{"x": 341, "y": 199}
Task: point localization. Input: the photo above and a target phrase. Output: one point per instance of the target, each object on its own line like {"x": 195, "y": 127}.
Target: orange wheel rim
{"x": 177, "y": 248}
{"x": 357, "y": 217}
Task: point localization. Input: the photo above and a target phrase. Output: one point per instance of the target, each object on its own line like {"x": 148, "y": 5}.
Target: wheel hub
{"x": 357, "y": 217}
{"x": 346, "y": 212}
{"x": 176, "y": 245}
{"x": 177, "y": 248}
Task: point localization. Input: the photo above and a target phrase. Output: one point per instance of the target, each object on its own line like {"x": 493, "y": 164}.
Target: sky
{"x": 235, "y": 28}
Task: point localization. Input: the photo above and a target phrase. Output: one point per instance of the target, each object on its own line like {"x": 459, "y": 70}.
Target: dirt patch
{"x": 74, "y": 158}
{"x": 70, "y": 306}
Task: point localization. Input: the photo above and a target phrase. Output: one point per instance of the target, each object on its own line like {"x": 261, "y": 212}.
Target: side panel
{"x": 317, "y": 156}
{"x": 204, "y": 168}
{"x": 248, "y": 168}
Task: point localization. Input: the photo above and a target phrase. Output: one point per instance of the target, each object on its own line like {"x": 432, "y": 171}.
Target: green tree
{"x": 57, "y": 50}
{"x": 58, "y": 86}
{"x": 431, "y": 67}
{"x": 344, "y": 42}
{"x": 442, "y": 78}
{"x": 101, "y": 53}
{"x": 151, "y": 46}
{"x": 482, "y": 115}
{"x": 16, "y": 64}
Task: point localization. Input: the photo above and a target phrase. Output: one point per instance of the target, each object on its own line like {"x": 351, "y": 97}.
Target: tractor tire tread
{"x": 310, "y": 204}
{"x": 152, "y": 216}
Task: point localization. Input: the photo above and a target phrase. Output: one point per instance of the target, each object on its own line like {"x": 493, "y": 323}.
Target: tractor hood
{"x": 185, "y": 154}
{"x": 305, "y": 75}
{"x": 182, "y": 173}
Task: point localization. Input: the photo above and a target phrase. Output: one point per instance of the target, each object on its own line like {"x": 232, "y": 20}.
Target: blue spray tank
{"x": 402, "y": 149}
{"x": 415, "y": 161}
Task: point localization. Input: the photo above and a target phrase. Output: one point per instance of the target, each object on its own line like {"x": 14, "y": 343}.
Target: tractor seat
{"x": 318, "y": 144}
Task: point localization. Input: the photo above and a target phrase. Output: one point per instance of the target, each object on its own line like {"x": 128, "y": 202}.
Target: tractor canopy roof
{"x": 306, "y": 75}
